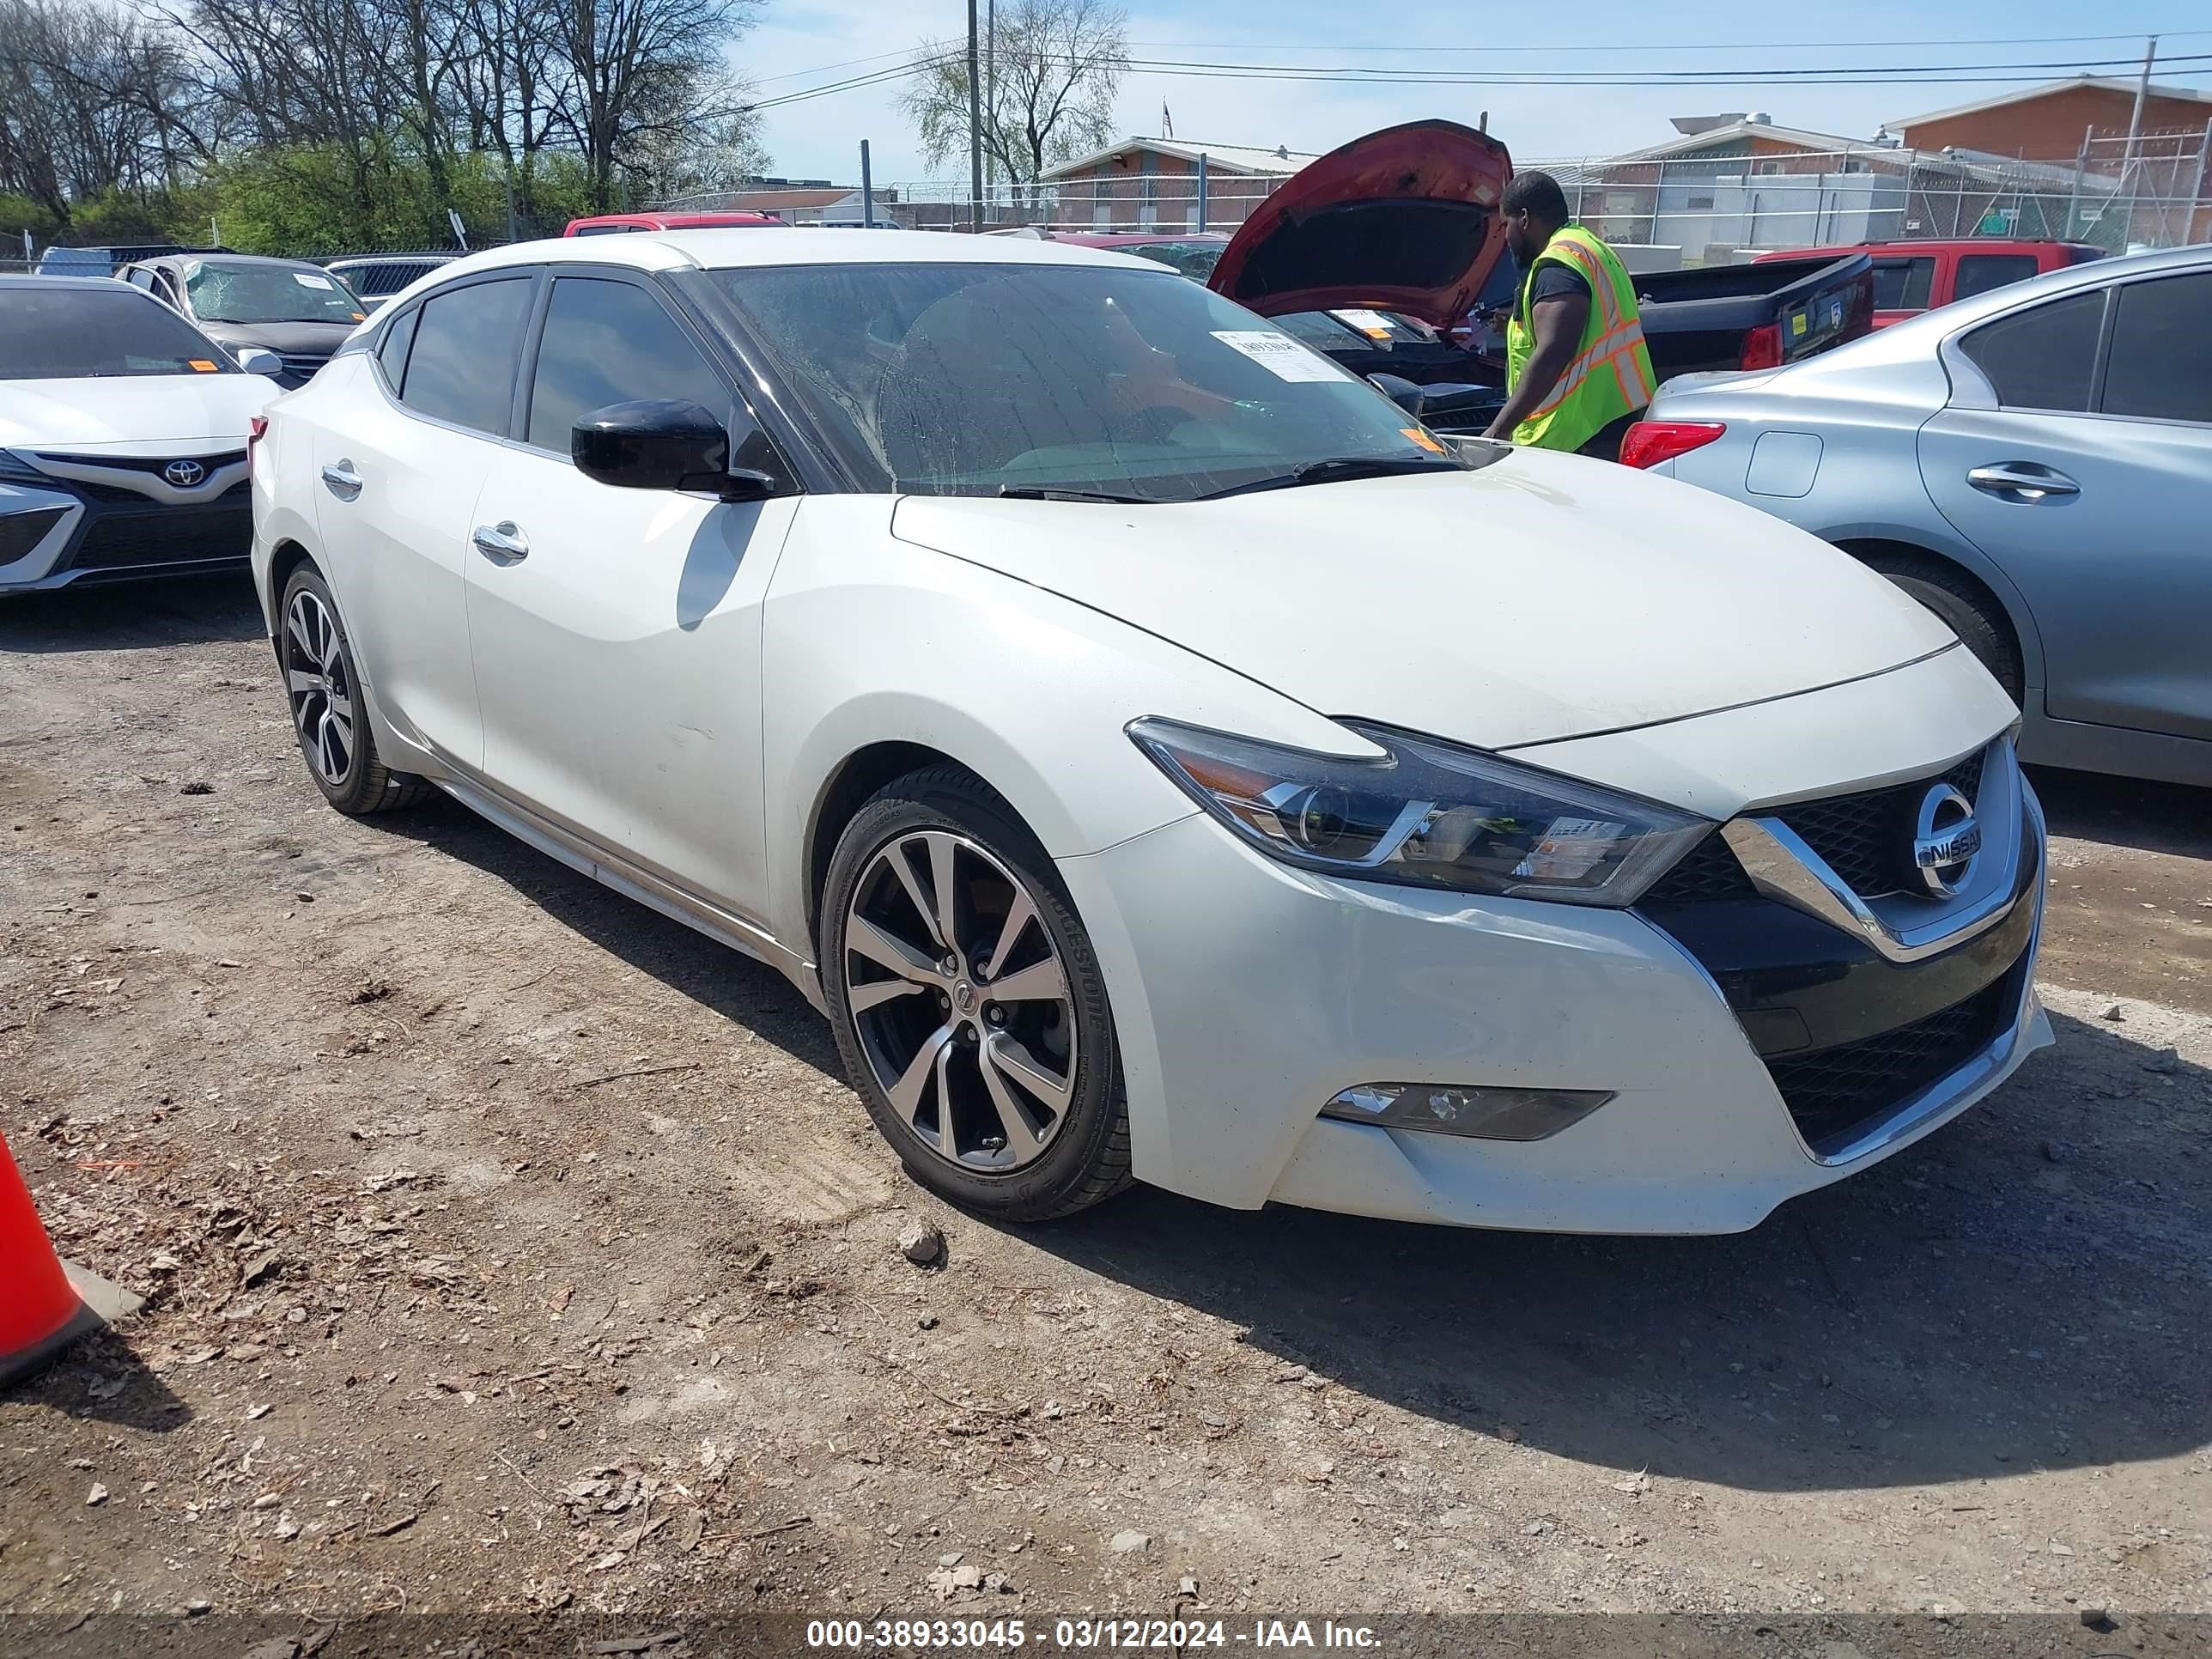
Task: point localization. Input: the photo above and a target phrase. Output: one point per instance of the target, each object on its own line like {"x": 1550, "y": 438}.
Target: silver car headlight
{"x": 1428, "y": 814}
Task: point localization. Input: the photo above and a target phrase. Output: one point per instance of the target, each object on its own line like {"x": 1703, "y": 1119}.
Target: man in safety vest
{"x": 1577, "y": 373}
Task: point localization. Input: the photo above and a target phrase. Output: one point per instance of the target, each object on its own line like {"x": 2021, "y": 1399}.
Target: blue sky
{"x": 820, "y": 138}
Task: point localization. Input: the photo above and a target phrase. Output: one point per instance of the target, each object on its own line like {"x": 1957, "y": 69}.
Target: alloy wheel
{"x": 323, "y": 705}
{"x": 961, "y": 1000}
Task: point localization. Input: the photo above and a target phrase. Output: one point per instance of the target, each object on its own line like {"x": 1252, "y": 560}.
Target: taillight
{"x": 254, "y": 431}
{"x": 1762, "y": 348}
{"x": 1649, "y": 442}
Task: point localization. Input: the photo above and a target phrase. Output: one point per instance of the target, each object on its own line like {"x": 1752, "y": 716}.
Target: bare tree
{"x": 1057, "y": 64}
{"x": 91, "y": 101}
{"x": 641, "y": 77}
{"x": 369, "y": 118}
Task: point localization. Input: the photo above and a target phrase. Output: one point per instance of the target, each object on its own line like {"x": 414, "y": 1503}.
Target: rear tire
{"x": 1008, "y": 1105}
{"x": 1964, "y": 608}
{"x": 330, "y": 716}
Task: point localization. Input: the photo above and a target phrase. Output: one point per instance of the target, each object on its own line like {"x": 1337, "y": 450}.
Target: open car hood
{"x": 1403, "y": 220}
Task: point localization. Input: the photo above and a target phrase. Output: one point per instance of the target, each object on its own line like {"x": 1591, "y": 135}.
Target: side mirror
{"x": 258, "y": 360}
{"x": 663, "y": 443}
{"x": 1401, "y": 391}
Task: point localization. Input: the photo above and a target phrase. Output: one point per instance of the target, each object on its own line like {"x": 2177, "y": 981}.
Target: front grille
{"x": 301, "y": 363}
{"x": 1710, "y": 875}
{"x": 176, "y": 535}
{"x": 1867, "y": 839}
{"x": 152, "y": 464}
{"x": 1834, "y": 1092}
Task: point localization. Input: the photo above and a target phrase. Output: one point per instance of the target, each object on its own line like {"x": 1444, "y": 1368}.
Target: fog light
{"x": 22, "y": 532}
{"x": 1456, "y": 1109}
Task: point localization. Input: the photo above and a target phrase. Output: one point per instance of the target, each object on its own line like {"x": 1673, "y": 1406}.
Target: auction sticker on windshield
{"x": 1278, "y": 354}
{"x": 307, "y": 281}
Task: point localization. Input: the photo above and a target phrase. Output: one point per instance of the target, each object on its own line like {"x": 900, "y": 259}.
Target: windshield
{"x": 973, "y": 379}
{"x": 101, "y": 329}
{"x": 221, "y": 293}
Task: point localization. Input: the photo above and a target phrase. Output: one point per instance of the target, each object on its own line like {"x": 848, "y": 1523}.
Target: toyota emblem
{"x": 1946, "y": 841}
{"x": 184, "y": 474}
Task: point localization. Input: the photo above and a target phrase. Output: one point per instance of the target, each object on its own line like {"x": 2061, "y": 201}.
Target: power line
{"x": 1825, "y": 75}
{"x": 1428, "y": 51}
{"x": 1714, "y": 46}
{"x": 1364, "y": 76}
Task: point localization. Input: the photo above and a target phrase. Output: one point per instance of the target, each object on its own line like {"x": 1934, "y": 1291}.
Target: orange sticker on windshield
{"x": 200, "y": 363}
{"x": 1423, "y": 439}
{"x": 360, "y": 316}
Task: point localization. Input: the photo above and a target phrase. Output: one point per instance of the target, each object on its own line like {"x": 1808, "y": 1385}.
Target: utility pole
{"x": 974, "y": 129}
{"x": 867, "y": 191}
{"x": 2135, "y": 120}
{"x": 990, "y": 69}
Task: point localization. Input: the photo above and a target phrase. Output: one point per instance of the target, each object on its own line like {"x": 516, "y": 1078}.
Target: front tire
{"x": 1966, "y": 611}
{"x": 329, "y": 715}
{"x": 969, "y": 1006}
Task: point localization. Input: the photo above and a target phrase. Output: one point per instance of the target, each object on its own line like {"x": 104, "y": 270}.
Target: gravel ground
{"x": 506, "y": 1245}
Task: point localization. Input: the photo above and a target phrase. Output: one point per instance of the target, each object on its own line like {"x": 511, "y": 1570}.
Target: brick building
{"x": 2048, "y": 123}
{"x": 1151, "y": 184}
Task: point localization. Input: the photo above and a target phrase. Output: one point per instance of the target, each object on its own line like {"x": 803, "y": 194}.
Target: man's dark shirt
{"x": 1557, "y": 282}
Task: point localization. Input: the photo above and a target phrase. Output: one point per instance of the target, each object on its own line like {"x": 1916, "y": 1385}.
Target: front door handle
{"x": 2027, "y": 482}
{"x": 342, "y": 481}
{"x": 502, "y": 543}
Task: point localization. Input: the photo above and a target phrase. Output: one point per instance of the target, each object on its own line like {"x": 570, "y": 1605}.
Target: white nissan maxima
{"x": 1156, "y": 758}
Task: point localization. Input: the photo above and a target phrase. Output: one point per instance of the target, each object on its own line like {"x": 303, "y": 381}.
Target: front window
{"x": 69, "y": 334}
{"x": 975, "y": 379}
{"x": 219, "y": 292}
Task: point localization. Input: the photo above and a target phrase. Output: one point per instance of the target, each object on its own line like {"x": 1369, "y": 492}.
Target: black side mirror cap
{"x": 665, "y": 443}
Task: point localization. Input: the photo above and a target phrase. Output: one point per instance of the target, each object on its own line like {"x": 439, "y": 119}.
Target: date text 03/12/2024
{"x": 1083, "y": 1635}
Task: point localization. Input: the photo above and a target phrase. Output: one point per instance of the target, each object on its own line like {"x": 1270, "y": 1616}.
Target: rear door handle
{"x": 502, "y": 543}
{"x": 344, "y": 482}
{"x": 2027, "y": 482}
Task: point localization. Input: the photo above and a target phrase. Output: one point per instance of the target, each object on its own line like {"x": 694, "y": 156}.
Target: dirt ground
{"x": 507, "y": 1246}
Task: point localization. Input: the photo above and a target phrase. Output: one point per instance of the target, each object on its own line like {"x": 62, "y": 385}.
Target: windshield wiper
{"x": 1053, "y": 492}
{"x": 1335, "y": 467}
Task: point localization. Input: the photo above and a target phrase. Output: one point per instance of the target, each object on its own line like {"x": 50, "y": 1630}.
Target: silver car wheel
{"x": 323, "y": 707}
{"x": 960, "y": 1001}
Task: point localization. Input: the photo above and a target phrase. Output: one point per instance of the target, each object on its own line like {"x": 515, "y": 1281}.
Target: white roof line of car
{"x": 741, "y": 246}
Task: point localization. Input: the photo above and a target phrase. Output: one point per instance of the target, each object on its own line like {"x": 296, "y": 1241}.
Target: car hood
{"x": 1540, "y": 598}
{"x": 129, "y": 414}
{"x": 295, "y": 339}
{"x": 1403, "y": 220}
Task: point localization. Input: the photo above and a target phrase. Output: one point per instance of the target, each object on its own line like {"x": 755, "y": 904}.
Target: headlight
{"x": 1428, "y": 814}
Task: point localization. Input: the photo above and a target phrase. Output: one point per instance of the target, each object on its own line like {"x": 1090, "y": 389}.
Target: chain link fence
{"x": 2152, "y": 191}
{"x": 2155, "y": 191}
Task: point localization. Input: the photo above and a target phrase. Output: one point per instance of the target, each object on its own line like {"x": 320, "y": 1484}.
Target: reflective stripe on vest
{"x": 1611, "y": 374}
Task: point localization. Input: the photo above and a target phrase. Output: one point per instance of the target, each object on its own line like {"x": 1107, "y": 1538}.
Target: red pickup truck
{"x": 1911, "y": 278}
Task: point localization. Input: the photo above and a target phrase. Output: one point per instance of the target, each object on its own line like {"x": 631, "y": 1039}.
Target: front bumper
{"x": 1247, "y": 993}
{"x": 112, "y": 530}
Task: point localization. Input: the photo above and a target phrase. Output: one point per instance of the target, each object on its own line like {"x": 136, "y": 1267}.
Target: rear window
{"x": 1195, "y": 260}
{"x": 1980, "y": 272}
{"x": 377, "y": 280}
{"x": 1902, "y": 284}
{"x": 98, "y": 331}
{"x": 2044, "y": 357}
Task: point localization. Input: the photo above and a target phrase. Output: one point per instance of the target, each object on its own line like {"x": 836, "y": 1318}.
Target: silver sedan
{"x": 2035, "y": 465}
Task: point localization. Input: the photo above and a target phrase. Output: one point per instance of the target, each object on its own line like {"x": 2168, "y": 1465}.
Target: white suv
{"x": 1157, "y": 756}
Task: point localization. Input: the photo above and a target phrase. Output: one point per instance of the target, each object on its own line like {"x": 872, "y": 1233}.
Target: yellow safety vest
{"x": 1611, "y": 374}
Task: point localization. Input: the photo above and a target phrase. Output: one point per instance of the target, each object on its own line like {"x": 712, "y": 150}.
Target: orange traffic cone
{"x": 42, "y": 1303}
